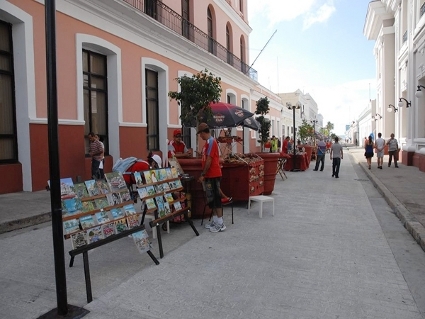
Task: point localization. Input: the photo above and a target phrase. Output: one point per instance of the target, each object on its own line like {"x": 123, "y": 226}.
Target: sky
{"x": 319, "y": 48}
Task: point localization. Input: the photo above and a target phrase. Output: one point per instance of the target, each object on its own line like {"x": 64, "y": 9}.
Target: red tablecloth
{"x": 302, "y": 162}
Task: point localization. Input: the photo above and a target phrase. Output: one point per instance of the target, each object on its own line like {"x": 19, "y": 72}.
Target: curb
{"x": 407, "y": 219}
{"x": 24, "y": 222}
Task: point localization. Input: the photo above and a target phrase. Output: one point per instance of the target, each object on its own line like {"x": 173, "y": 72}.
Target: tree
{"x": 196, "y": 94}
{"x": 305, "y": 131}
{"x": 329, "y": 127}
{"x": 262, "y": 110}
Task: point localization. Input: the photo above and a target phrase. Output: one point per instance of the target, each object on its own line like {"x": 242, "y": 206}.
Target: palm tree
{"x": 329, "y": 127}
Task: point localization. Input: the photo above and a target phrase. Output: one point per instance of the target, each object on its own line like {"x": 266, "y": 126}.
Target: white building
{"x": 398, "y": 29}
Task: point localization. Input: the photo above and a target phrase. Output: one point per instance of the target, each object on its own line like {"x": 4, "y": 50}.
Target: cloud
{"x": 313, "y": 11}
{"x": 342, "y": 103}
{"x": 321, "y": 15}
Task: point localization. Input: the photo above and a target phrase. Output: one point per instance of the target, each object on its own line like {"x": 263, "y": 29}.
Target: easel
{"x": 281, "y": 166}
{"x": 84, "y": 250}
{"x": 158, "y": 221}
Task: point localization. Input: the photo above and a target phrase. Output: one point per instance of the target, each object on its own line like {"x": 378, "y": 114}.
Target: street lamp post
{"x": 314, "y": 129}
{"x": 293, "y": 108}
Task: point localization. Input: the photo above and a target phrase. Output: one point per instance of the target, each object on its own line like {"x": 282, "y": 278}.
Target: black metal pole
{"x": 295, "y": 136}
{"x": 55, "y": 191}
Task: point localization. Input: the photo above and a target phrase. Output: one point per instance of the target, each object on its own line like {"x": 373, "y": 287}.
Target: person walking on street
{"x": 273, "y": 144}
{"x": 210, "y": 178}
{"x": 392, "y": 150}
{"x": 336, "y": 156}
{"x": 369, "y": 151}
{"x": 96, "y": 153}
{"x": 379, "y": 146}
{"x": 102, "y": 162}
{"x": 285, "y": 145}
{"x": 320, "y": 156}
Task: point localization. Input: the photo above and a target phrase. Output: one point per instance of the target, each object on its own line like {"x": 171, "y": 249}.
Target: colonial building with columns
{"x": 397, "y": 27}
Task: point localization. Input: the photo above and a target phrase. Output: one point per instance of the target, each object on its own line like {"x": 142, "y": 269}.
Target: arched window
{"x": 185, "y": 19}
{"x": 151, "y": 9}
{"x": 229, "y": 45}
{"x": 242, "y": 54}
{"x": 211, "y": 42}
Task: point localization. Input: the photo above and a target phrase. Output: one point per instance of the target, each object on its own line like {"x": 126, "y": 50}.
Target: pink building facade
{"x": 116, "y": 62}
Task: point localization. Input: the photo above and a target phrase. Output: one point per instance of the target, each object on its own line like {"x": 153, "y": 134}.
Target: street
{"x": 334, "y": 249}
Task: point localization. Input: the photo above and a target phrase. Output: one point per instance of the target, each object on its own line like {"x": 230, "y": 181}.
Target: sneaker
{"x": 217, "y": 228}
{"x": 396, "y": 166}
{"x": 210, "y": 225}
{"x": 226, "y": 199}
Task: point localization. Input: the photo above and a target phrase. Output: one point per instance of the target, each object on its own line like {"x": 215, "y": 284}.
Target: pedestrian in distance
{"x": 285, "y": 145}
{"x": 328, "y": 146}
{"x": 96, "y": 152}
{"x": 273, "y": 144}
{"x": 369, "y": 146}
{"x": 379, "y": 147}
{"x": 392, "y": 150}
{"x": 336, "y": 156}
{"x": 211, "y": 177}
{"x": 102, "y": 162}
{"x": 320, "y": 156}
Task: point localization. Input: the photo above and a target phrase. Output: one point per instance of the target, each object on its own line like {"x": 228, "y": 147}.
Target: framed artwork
{"x": 175, "y": 163}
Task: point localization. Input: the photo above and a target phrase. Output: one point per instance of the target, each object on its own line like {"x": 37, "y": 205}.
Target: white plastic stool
{"x": 154, "y": 229}
{"x": 261, "y": 199}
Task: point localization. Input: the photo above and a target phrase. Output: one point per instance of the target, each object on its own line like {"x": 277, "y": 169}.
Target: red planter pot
{"x": 270, "y": 169}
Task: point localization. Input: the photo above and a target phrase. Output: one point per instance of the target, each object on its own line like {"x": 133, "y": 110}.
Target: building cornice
{"x": 233, "y": 15}
{"x": 376, "y": 13}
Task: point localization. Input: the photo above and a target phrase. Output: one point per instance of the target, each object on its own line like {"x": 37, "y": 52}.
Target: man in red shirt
{"x": 210, "y": 178}
{"x": 177, "y": 147}
{"x": 285, "y": 145}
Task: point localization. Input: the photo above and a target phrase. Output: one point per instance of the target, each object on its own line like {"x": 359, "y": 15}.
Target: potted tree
{"x": 195, "y": 95}
{"x": 270, "y": 159}
{"x": 306, "y": 133}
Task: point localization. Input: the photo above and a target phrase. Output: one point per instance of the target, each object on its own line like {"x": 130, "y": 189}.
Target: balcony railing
{"x": 172, "y": 20}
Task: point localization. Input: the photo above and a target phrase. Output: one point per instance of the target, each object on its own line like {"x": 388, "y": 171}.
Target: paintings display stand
{"x": 157, "y": 198}
{"x": 98, "y": 212}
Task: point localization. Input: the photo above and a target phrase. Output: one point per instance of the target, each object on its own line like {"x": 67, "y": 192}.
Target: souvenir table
{"x": 243, "y": 176}
{"x": 302, "y": 162}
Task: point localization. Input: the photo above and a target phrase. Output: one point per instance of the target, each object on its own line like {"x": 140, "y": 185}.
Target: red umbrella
{"x": 225, "y": 115}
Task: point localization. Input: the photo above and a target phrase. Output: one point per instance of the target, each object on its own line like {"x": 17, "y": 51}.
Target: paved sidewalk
{"x": 24, "y": 209}
{"x": 403, "y": 188}
{"x": 323, "y": 255}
